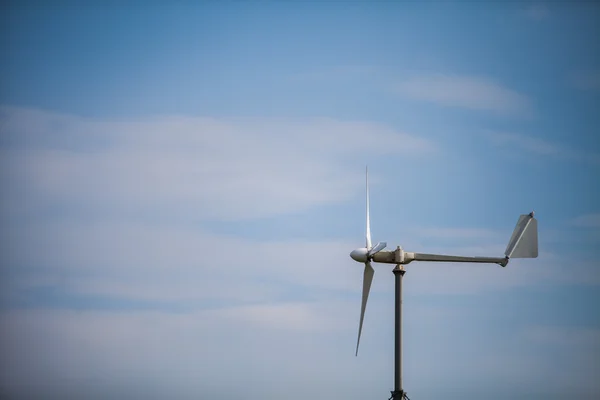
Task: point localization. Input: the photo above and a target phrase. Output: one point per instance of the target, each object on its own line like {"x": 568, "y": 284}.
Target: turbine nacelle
{"x": 360, "y": 255}
{"x": 365, "y": 254}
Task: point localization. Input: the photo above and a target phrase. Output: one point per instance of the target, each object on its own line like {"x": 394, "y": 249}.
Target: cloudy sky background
{"x": 182, "y": 186}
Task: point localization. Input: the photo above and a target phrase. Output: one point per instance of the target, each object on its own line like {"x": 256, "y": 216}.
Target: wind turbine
{"x": 522, "y": 244}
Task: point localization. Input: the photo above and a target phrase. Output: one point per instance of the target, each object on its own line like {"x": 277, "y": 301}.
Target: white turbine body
{"x": 523, "y": 244}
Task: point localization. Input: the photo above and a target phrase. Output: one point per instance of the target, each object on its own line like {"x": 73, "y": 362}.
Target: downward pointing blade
{"x": 367, "y": 279}
{"x": 368, "y": 218}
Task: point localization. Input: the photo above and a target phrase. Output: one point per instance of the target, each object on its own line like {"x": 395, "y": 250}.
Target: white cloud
{"x": 203, "y": 167}
{"x": 475, "y": 93}
{"x": 109, "y": 208}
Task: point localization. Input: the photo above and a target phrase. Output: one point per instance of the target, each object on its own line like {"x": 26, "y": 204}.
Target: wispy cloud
{"x": 205, "y": 167}
{"x": 476, "y": 93}
{"x": 109, "y": 205}
{"x": 541, "y": 147}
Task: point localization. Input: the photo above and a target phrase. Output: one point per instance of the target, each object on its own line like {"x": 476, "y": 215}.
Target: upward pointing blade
{"x": 367, "y": 279}
{"x": 368, "y": 218}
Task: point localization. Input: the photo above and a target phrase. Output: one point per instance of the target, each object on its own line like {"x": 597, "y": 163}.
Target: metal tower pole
{"x": 398, "y": 393}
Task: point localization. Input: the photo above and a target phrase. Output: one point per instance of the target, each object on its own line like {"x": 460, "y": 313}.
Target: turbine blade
{"x": 368, "y": 218}
{"x": 367, "y": 279}
{"x": 377, "y": 248}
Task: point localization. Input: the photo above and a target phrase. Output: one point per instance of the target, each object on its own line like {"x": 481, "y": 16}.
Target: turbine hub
{"x": 360, "y": 255}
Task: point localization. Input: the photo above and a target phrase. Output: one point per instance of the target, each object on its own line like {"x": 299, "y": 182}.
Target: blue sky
{"x": 182, "y": 185}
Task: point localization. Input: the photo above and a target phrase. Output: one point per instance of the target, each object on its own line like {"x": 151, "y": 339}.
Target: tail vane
{"x": 524, "y": 241}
